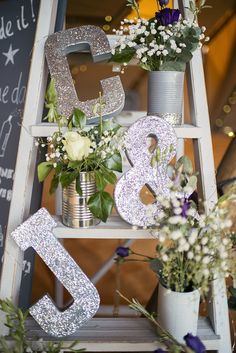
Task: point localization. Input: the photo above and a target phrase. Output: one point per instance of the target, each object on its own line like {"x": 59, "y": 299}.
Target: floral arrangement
{"x": 163, "y": 43}
{"x": 193, "y": 343}
{"x": 193, "y": 249}
{"x": 16, "y": 322}
{"x": 77, "y": 148}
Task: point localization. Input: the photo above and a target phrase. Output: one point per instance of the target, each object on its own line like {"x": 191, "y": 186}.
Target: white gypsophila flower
{"x": 57, "y": 154}
{"x": 178, "y": 50}
{"x": 205, "y": 250}
{"x": 54, "y": 165}
{"x": 65, "y": 156}
{"x": 158, "y": 53}
{"x": 190, "y": 255}
{"x": 162, "y": 238}
{"x": 186, "y": 247}
{"x": 47, "y": 159}
{"x": 52, "y": 155}
{"x": 144, "y": 59}
{"x": 165, "y": 52}
{"x": 150, "y": 53}
{"x": 204, "y": 241}
{"x": 225, "y": 241}
{"x": 165, "y": 258}
{"x": 206, "y": 260}
{"x": 177, "y": 211}
{"x": 176, "y": 234}
{"x": 182, "y": 241}
{"x": 174, "y": 219}
{"x": 153, "y": 31}
{"x": 198, "y": 248}
{"x": 206, "y": 272}
{"x": 198, "y": 258}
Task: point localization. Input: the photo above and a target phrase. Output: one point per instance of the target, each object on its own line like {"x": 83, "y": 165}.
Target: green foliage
{"x": 44, "y": 169}
{"x": 101, "y": 204}
{"x": 114, "y": 162}
{"x": 17, "y": 341}
{"x": 123, "y": 57}
{"x": 78, "y": 118}
{"x": 232, "y": 298}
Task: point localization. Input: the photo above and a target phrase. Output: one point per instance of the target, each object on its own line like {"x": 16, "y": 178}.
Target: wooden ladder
{"x": 109, "y": 334}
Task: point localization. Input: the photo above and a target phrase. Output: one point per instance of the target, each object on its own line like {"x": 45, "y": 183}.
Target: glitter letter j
{"x": 36, "y": 232}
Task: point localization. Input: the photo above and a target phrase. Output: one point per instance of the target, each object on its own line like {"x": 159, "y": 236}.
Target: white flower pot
{"x": 178, "y": 312}
{"x": 165, "y": 95}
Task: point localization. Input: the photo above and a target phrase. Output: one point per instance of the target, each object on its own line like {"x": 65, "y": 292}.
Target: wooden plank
{"x": 114, "y": 228}
{"x": 183, "y": 131}
{"x": 26, "y": 158}
{"x": 121, "y": 335}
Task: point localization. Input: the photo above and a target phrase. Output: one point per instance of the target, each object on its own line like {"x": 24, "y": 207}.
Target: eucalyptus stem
{"x": 100, "y": 113}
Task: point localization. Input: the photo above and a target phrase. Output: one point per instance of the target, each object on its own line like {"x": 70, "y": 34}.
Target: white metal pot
{"x": 178, "y": 312}
{"x": 165, "y": 95}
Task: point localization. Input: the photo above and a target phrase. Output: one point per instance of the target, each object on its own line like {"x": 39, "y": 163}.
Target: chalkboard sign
{"x": 18, "y": 21}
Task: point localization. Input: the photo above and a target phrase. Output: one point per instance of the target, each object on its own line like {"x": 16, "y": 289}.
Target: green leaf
{"x": 124, "y": 56}
{"x": 110, "y": 125}
{"x": 100, "y": 180}
{"x": 108, "y": 175}
{"x": 51, "y": 94}
{"x": 78, "y": 118}
{"x": 54, "y": 184}
{"x": 156, "y": 265}
{"x": 101, "y": 204}
{"x": 77, "y": 186}
{"x": 114, "y": 162}
{"x": 44, "y": 169}
{"x": 186, "y": 163}
{"x": 66, "y": 178}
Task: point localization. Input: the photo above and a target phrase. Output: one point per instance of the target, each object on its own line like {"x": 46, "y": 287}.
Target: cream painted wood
{"x": 123, "y": 335}
{"x": 183, "y": 131}
{"x": 26, "y": 159}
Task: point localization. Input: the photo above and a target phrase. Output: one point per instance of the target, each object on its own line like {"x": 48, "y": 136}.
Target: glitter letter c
{"x": 36, "y": 232}
{"x": 60, "y": 44}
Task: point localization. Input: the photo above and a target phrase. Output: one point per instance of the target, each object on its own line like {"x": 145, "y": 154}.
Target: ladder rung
{"x": 122, "y": 335}
{"x": 183, "y": 131}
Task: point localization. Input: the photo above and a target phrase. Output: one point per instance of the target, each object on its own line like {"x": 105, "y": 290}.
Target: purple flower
{"x": 185, "y": 208}
{"x": 122, "y": 251}
{"x": 159, "y": 350}
{"x": 194, "y": 343}
{"x": 167, "y": 16}
{"x": 163, "y": 2}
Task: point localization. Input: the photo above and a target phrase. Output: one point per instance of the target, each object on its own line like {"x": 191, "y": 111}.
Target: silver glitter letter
{"x": 36, "y": 232}
{"x": 127, "y": 191}
{"x": 57, "y": 46}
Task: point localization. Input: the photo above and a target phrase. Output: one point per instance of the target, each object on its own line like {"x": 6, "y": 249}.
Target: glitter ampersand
{"x": 84, "y": 38}
{"x": 36, "y": 232}
{"x": 145, "y": 170}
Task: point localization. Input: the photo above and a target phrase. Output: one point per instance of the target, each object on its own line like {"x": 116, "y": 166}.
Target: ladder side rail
{"x": 27, "y": 152}
{"x": 218, "y": 307}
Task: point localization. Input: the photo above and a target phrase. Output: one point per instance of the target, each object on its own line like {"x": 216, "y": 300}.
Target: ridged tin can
{"x": 75, "y": 212}
{"x": 165, "y": 95}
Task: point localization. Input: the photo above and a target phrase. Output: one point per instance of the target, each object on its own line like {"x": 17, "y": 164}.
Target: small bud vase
{"x": 178, "y": 312}
{"x": 165, "y": 95}
{"x": 75, "y": 213}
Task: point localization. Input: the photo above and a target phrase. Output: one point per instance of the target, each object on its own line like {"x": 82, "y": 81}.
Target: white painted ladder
{"x": 109, "y": 334}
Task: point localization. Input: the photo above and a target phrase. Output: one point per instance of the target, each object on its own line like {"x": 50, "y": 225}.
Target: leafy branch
{"x": 16, "y": 323}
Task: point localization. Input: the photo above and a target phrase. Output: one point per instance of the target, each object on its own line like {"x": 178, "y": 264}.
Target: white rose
{"x": 76, "y": 146}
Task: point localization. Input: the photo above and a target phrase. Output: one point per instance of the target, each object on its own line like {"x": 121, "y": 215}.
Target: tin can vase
{"x": 75, "y": 213}
{"x": 165, "y": 95}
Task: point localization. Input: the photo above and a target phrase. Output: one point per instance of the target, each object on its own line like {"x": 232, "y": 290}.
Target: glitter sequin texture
{"x": 57, "y": 46}
{"x": 127, "y": 191}
{"x": 37, "y": 232}
{"x": 171, "y": 118}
